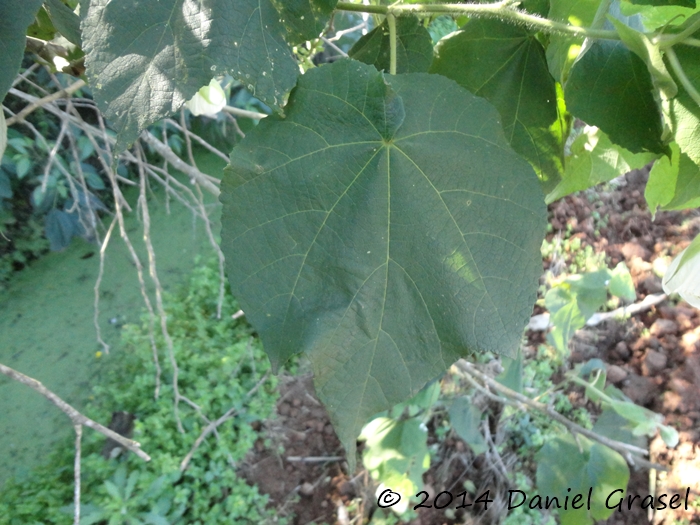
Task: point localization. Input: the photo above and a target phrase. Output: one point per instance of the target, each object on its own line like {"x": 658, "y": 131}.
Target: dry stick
{"x": 198, "y": 139}
{"x": 541, "y": 322}
{"x": 244, "y": 113}
{"x": 64, "y": 93}
{"x": 518, "y": 400}
{"x": 76, "y": 417}
{"x": 98, "y": 282}
{"x": 314, "y": 459}
{"x": 143, "y": 204}
{"x": 179, "y": 164}
{"x": 207, "y": 223}
{"x": 76, "y": 474}
{"x": 211, "y": 427}
{"x": 139, "y": 272}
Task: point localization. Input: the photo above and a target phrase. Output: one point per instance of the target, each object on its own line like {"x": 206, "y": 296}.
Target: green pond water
{"x": 46, "y": 320}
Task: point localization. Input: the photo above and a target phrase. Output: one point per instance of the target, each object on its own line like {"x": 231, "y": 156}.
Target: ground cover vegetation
{"x": 384, "y": 219}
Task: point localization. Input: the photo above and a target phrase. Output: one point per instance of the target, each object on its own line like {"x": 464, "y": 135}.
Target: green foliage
{"x": 220, "y": 361}
{"x": 404, "y": 183}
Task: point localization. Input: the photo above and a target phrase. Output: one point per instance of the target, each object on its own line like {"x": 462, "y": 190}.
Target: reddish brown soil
{"x": 654, "y": 358}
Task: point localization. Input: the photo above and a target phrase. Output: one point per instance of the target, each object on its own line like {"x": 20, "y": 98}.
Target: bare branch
{"x": 76, "y": 417}
{"x": 521, "y": 401}
{"x": 168, "y": 154}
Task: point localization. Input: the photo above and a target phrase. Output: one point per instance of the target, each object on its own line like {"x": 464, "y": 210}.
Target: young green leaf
{"x": 621, "y": 284}
{"x": 512, "y": 375}
{"x": 15, "y": 17}
{"x": 414, "y": 47}
{"x": 612, "y": 425}
{"x": 579, "y": 464}
{"x": 610, "y": 87}
{"x": 466, "y": 420}
{"x": 380, "y": 235}
{"x": 595, "y": 159}
{"x": 563, "y": 50}
{"x": 146, "y": 59}
{"x": 507, "y": 66}
{"x": 396, "y": 452}
{"x": 674, "y": 184}
{"x": 681, "y": 276}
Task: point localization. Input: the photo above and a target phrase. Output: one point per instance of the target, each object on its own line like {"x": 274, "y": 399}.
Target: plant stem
{"x": 678, "y": 38}
{"x": 680, "y": 73}
{"x": 391, "y": 19}
{"x": 495, "y": 10}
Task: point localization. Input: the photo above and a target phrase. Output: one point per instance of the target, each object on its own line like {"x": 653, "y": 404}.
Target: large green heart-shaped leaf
{"x": 145, "y": 59}
{"x": 15, "y": 17}
{"x": 610, "y": 87}
{"x": 414, "y": 47}
{"x": 507, "y": 66}
{"x": 385, "y": 228}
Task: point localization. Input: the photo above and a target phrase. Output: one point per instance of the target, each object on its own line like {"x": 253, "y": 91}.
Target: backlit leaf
{"x": 146, "y": 59}
{"x": 382, "y": 236}
{"x": 594, "y": 159}
{"x": 685, "y": 113}
{"x": 674, "y": 184}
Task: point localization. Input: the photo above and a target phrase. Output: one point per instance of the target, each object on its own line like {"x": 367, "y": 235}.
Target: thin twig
{"x": 314, "y": 459}
{"x": 498, "y": 10}
{"x": 76, "y": 475}
{"x": 179, "y": 164}
{"x": 65, "y": 92}
{"x": 98, "y": 282}
{"x": 143, "y": 206}
{"x": 76, "y": 417}
{"x": 244, "y": 113}
{"x": 211, "y": 427}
